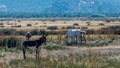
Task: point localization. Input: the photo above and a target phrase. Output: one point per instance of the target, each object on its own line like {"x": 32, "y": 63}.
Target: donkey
{"x": 36, "y": 43}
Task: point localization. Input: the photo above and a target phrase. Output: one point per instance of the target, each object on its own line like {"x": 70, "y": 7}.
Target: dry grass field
{"x": 22, "y": 24}
{"x": 100, "y": 50}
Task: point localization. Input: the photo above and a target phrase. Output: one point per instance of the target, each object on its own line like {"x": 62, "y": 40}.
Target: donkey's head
{"x": 43, "y": 38}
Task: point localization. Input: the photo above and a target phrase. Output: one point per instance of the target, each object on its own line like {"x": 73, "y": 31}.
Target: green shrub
{"x": 76, "y": 24}
{"x": 84, "y": 27}
{"x": 21, "y": 32}
{"x": 8, "y": 31}
{"x": 101, "y": 24}
{"x": 35, "y": 32}
{"x": 70, "y": 27}
{"x": 73, "y": 61}
{"x": 11, "y": 42}
{"x": 88, "y": 23}
{"x": 1, "y": 24}
{"x": 29, "y": 24}
{"x": 53, "y": 47}
{"x": 52, "y": 27}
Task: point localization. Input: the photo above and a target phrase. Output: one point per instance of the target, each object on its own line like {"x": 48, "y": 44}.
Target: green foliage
{"x": 97, "y": 44}
{"x": 54, "y": 15}
{"x": 76, "y": 24}
{"x": 8, "y": 31}
{"x": 29, "y": 25}
{"x": 52, "y": 27}
{"x": 35, "y": 32}
{"x": 97, "y": 16}
{"x": 88, "y": 23}
{"x": 101, "y": 24}
{"x": 70, "y": 27}
{"x": 11, "y": 42}
{"x": 53, "y": 47}
{"x": 73, "y": 61}
{"x": 84, "y": 27}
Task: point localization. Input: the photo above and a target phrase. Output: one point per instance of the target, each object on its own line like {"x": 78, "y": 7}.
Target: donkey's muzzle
{"x": 45, "y": 43}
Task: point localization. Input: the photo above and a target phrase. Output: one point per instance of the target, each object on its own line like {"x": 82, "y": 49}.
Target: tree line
{"x": 56, "y": 15}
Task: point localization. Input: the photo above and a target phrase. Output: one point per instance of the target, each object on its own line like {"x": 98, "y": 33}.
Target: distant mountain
{"x": 60, "y": 6}
{"x": 85, "y": 6}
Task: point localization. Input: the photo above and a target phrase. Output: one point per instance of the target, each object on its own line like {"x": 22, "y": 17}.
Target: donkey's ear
{"x": 47, "y": 34}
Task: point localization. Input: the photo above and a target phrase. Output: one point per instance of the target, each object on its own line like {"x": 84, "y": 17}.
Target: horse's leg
{"x": 76, "y": 42}
{"x": 24, "y": 50}
{"x": 72, "y": 40}
{"x": 81, "y": 38}
{"x": 84, "y": 38}
{"x": 78, "y": 39}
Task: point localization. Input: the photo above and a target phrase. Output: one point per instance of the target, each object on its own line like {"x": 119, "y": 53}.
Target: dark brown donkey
{"x": 36, "y": 43}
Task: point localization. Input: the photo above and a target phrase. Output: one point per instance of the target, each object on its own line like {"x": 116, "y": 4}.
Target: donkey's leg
{"x": 38, "y": 48}
{"x": 39, "y": 51}
{"x": 24, "y": 50}
{"x": 36, "y": 52}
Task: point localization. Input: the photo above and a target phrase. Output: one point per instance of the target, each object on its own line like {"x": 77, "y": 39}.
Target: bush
{"x": 19, "y": 20}
{"x": 70, "y": 27}
{"x": 114, "y": 27}
{"x": 2, "y": 41}
{"x": 91, "y": 31}
{"x": 76, "y": 24}
{"x": 21, "y": 32}
{"x": 101, "y": 24}
{"x": 77, "y": 27}
{"x": 13, "y": 42}
{"x": 52, "y": 20}
{"x": 62, "y": 27}
{"x": 108, "y": 21}
{"x": 8, "y": 31}
{"x": 29, "y": 24}
{"x": 88, "y": 23}
{"x": 43, "y": 32}
{"x": 35, "y": 32}
{"x": 53, "y": 47}
{"x": 10, "y": 42}
{"x": 53, "y": 33}
{"x": 18, "y": 26}
{"x": 1, "y": 23}
{"x": 52, "y": 27}
{"x": 84, "y": 27}
{"x": 2, "y": 26}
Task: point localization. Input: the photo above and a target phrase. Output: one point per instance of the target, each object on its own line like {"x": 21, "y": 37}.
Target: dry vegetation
{"x": 44, "y": 24}
{"x": 100, "y": 51}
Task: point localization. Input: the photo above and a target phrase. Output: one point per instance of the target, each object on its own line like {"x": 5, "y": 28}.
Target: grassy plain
{"x": 100, "y": 51}
{"x": 43, "y": 24}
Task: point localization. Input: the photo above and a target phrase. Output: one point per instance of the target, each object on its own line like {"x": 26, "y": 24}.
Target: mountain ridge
{"x": 60, "y": 6}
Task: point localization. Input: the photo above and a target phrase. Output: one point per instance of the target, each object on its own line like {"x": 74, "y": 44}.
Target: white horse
{"x": 75, "y": 36}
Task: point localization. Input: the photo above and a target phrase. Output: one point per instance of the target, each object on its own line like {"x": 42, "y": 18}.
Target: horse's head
{"x": 83, "y": 32}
